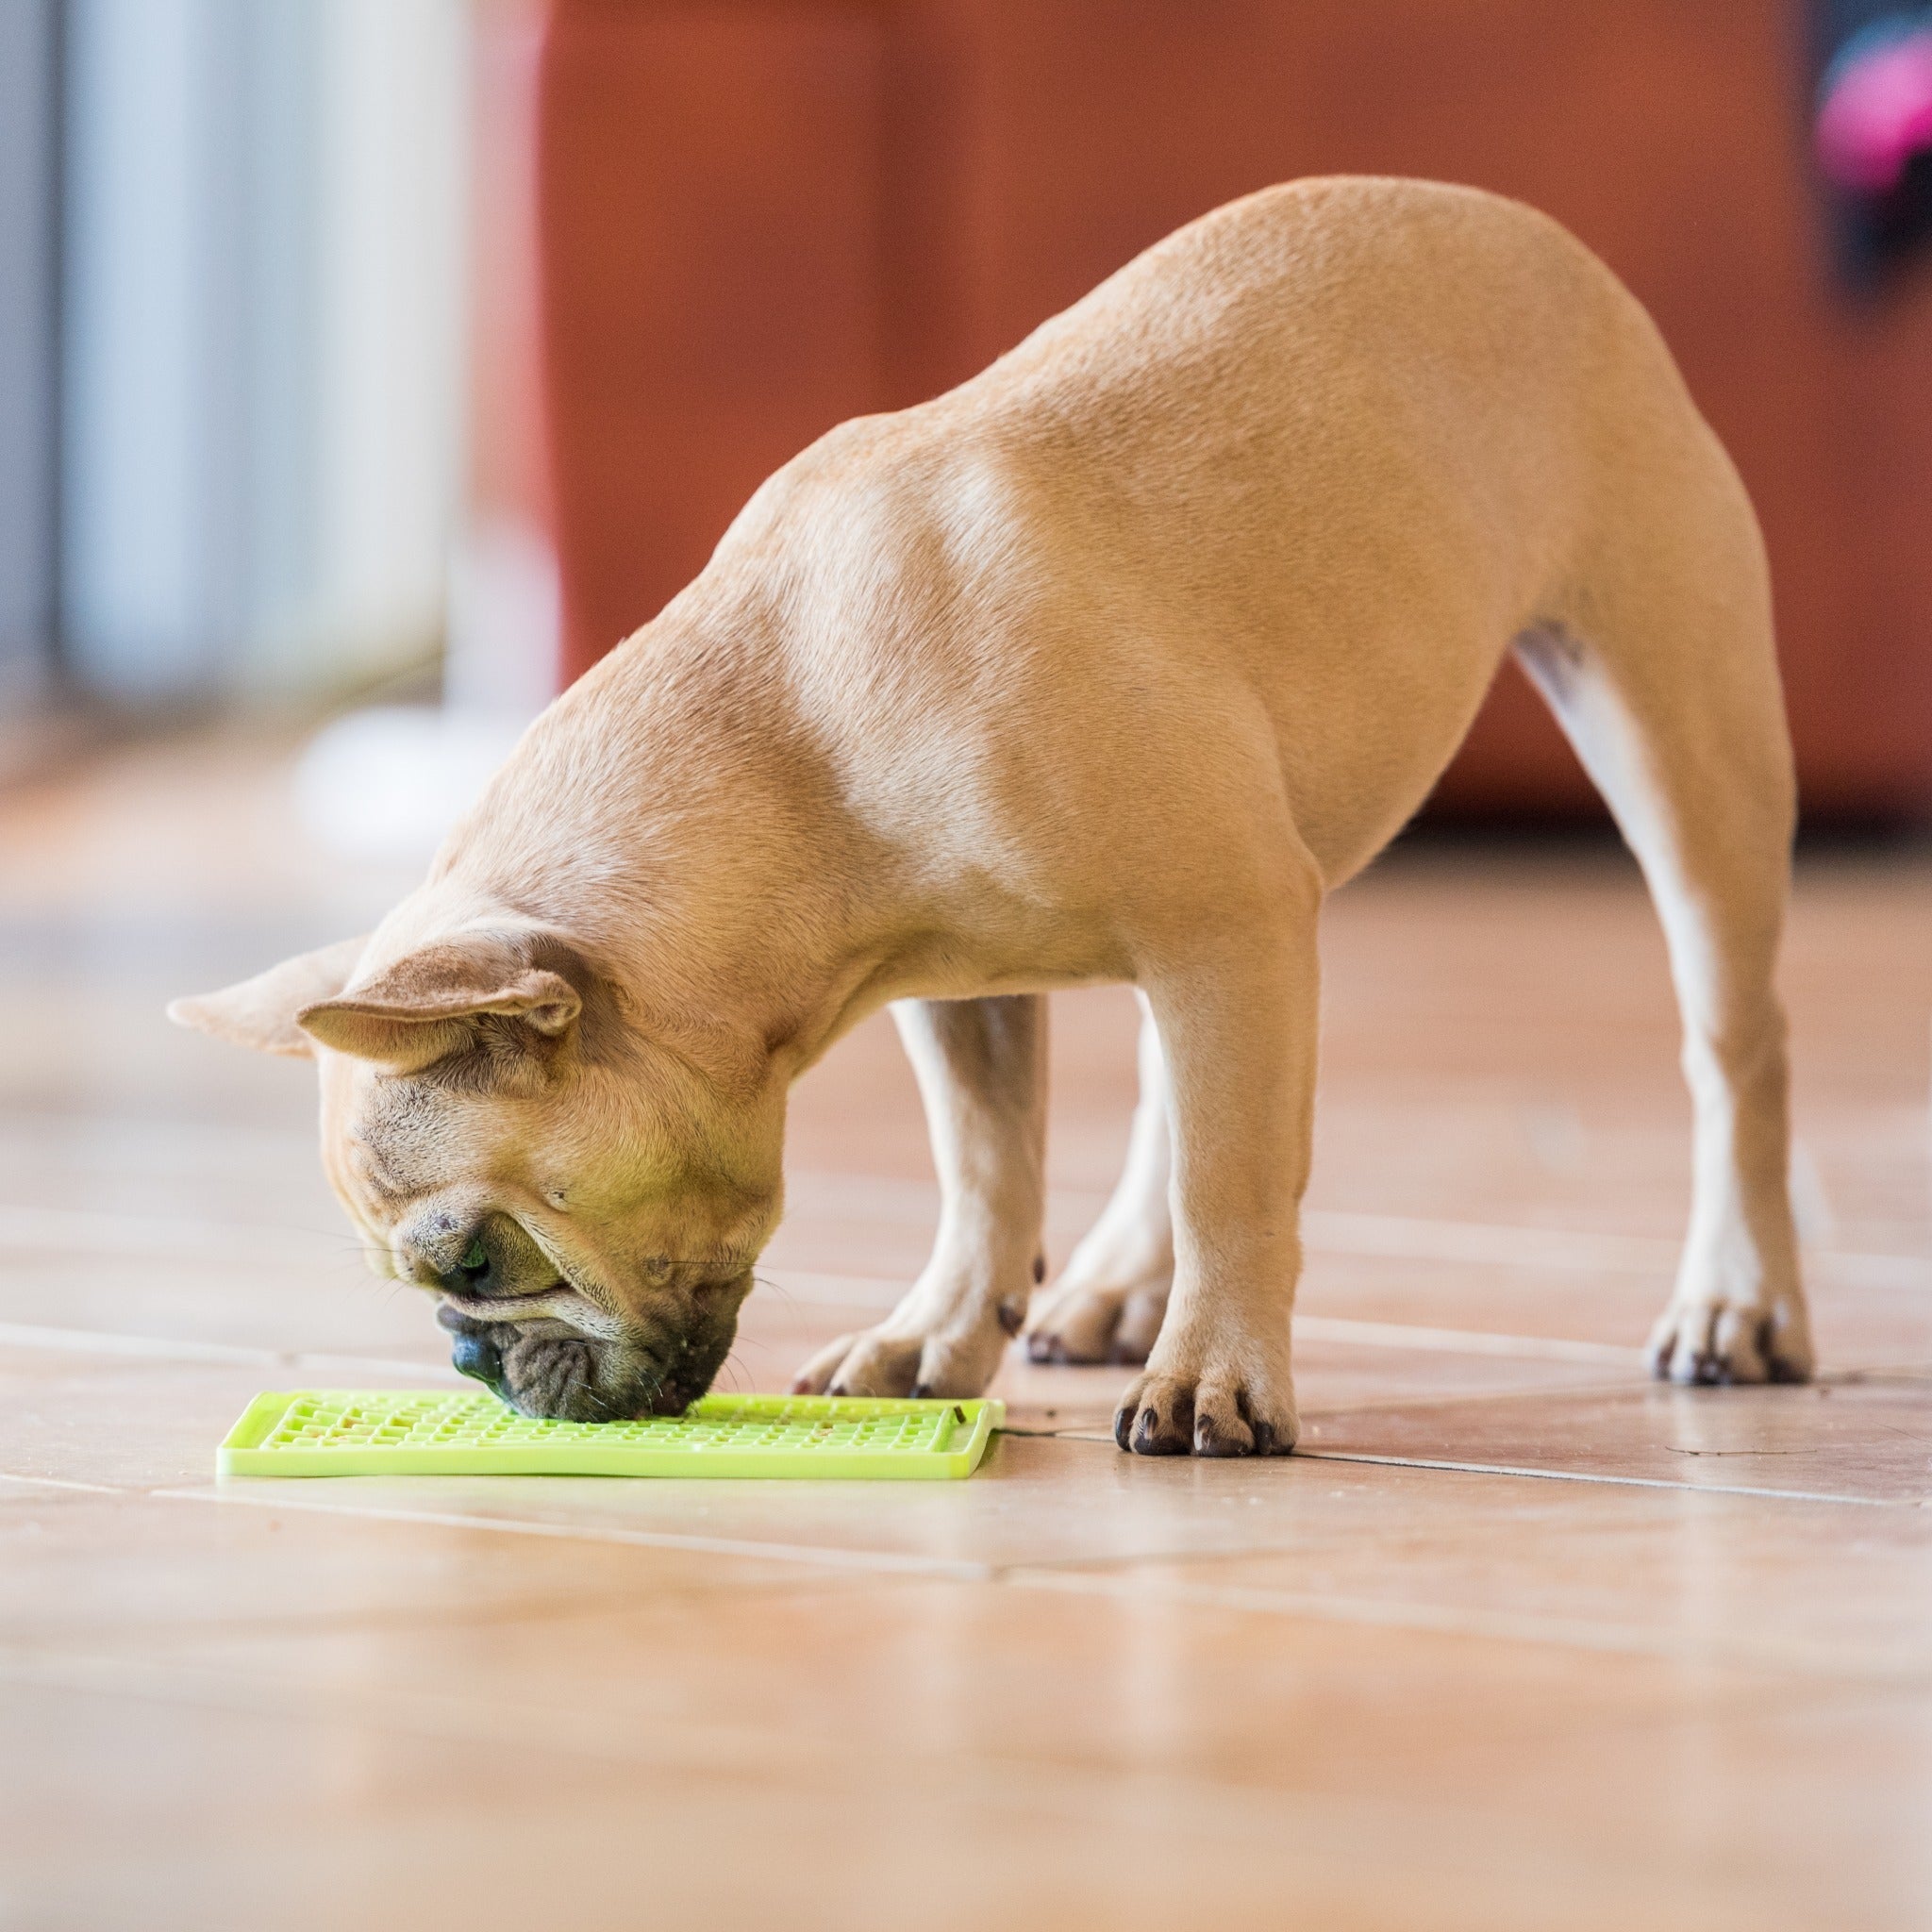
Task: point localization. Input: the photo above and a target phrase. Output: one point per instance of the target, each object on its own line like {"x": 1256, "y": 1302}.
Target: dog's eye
{"x": 476, "y": 1259}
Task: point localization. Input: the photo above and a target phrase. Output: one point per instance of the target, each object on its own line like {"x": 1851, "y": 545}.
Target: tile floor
{"x": 1521, "y": 1640}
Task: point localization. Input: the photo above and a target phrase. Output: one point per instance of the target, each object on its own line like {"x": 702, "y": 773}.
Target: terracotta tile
{"x": 1861, "y": 1439}
{"x": 318, "y": 1819}
{"x": 1136, "y": 1724}
{"x": 1643, "y": 1687}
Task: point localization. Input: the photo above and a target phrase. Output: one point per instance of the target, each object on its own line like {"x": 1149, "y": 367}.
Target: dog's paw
{"x": 1217, "y": 1409}
{"x": 1709, "y": 1339}
{"x": 889, "y": 1361}
{"x": 1092, "y": 1322}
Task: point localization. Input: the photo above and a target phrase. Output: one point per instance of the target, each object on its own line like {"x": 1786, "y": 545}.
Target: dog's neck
{"x": 695, "y": 850}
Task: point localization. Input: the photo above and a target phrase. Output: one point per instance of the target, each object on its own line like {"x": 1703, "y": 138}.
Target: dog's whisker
{"x": 778, "y": 1289}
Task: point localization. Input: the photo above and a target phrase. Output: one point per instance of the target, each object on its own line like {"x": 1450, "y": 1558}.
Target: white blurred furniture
{"x": 28, "y": 133}
{"x": 263, "y": 221}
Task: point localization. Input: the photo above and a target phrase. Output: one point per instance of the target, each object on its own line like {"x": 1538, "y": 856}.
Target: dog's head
{"x": 584, "y": 1193}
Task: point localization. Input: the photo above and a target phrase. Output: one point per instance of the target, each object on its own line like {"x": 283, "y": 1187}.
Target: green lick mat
{"x": 444, "y": 1432}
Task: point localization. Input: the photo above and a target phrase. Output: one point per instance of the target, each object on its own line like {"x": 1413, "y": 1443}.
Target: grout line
{"x": 1390, "y": 1237}
{"x": 1406, "y": 1238}
{"x": 1633, "y": 1482}
{"x": 131, "y": 1234}
{"x": 166, "y": 1348}
{"x": 1866, "y": 1270}
{"x": 854, "y": 1291}
{"x": 1303, "y": 1454}
{"x": 1725, "y": 1649}
{"x": 1208, "y": 1810}
{"x": 1118, "y": 1580}
{"x": 1398, "y": 1335}
{"x": 61, "y": 1482}
{"x": 1394, "y": 1236}
{"x": 931, "y": 1566}
{"x": 837, "y": 1290}
{"x": 1400, "y": 1402}
{"x": 876, "y": 1561}
{"x": 1464, "y": 1340}
{"x": 114, "y": 1341}
{"x": 816, "y": 1287}
{"x": 404, "y": 1709}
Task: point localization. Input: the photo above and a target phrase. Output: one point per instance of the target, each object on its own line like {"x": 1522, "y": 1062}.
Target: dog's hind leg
{"x": 1108, "y": 1302}
{"x": 981, "y": 1067}
{"x": 1666, "y": 684}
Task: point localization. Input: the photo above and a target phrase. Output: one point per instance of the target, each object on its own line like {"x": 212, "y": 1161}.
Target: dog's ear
{"x": 261, "y": 1012}
{"x": 434, "y": 1002}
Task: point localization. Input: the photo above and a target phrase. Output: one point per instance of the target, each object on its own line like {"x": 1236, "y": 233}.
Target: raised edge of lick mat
{"x": 462, "y": 1432}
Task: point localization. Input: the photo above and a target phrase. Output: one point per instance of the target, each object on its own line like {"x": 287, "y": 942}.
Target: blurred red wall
{"x": 754, "y": 220}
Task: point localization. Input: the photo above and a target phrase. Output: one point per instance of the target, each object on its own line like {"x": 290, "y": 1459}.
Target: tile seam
{"x": 1721, "y": 1651}
{"x": 828, "y": 1556}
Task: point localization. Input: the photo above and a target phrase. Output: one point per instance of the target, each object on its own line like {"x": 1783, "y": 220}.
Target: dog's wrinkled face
{"x": 584, "y": 1202}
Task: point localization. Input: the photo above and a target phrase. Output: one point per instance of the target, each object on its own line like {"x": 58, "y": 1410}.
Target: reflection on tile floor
{"x": 1523, "y": 1640}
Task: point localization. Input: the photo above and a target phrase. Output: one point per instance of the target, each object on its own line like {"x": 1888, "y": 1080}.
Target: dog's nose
{"x": 477, "y": 1269}
{"x": 491, "y": 1258}
{"x": 458, "y": 1260}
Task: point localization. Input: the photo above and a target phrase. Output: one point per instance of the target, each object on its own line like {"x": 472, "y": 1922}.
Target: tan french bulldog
{"x": 1107, "y": 665}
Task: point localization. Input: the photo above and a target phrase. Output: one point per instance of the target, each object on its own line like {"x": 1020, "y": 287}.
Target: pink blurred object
{"x": 1876, "y": 113}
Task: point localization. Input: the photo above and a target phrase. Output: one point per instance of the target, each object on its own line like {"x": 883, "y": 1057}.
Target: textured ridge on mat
{"x": 404, "y": 1432}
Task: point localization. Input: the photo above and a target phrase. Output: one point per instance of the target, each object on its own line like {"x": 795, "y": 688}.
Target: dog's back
{"x": 1341, "y": 442}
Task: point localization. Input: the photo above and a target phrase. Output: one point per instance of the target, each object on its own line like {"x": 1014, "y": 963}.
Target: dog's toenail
{"x": 1038, "y": 1269}
{"x": 1149, "y": 1441}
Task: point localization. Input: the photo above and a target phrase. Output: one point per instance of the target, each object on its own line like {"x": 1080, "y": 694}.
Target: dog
{"x": 1105, "y": 666}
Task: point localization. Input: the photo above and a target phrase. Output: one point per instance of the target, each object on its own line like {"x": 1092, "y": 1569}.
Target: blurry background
{"x": 352, "y": 350}
{"x": 233, "y": 342}
{"x": 367, "y": 368}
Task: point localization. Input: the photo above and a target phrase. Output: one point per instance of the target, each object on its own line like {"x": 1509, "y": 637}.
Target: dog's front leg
{"x": 981, "y": 1066}
{"x": 1238, "y": 1031}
